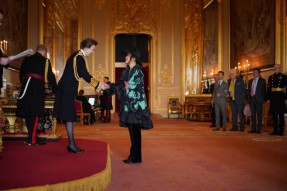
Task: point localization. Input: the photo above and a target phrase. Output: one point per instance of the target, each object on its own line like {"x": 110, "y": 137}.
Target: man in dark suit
{"x": 87, "y": 107}
{"x": 256, "y": 97}
{"x": 276, "y": 95}
{"x": 219, "y": 101}
{"x": 237, "y": 91}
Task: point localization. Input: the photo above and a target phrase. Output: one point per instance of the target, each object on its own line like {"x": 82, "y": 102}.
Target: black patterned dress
{"x": 133, "y": 105}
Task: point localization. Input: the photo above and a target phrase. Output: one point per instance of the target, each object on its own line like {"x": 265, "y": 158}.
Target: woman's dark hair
{"x": 137, "y": 55}
{"x": 1, "y": 12}
{"x": 88, "y": 42}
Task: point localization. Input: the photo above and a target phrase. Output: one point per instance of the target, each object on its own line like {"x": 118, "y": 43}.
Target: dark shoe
{"x": 130, "y": 161}
{"x": 76, "y": 150}
{"x": 224, "y": 129}
{"x": 79, "y": 149}
{"x": 216, "y": 129}
{"x": 241, "y": 129}
{"x": 233, "y": 129}
{"x": 281, "y": 133}
{"x": 274, "y": 133}
{"x": 251, "y": 131}
{"x": 212, "y": 126}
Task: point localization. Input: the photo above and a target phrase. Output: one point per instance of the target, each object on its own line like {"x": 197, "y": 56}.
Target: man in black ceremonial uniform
{"x": 35, "y": 71}
{"x": 276, "y": 95}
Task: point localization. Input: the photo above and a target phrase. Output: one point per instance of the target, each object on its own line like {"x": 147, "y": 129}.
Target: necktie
{"x": 219, "y": 83}
{"x": 231, "y": 89}
{"x": 253, "y": 88}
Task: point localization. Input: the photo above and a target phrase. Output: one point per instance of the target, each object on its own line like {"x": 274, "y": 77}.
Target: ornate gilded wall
{"x": 163, "y": 20}
{"x": 176, "y": 28}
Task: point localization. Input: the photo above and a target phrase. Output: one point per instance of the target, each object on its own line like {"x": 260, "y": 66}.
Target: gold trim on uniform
{"x": 75, "y": 65}
{"x": 46, "y": 70}
{"x": 278, "y": 89}
{"x": 94, "y": 82}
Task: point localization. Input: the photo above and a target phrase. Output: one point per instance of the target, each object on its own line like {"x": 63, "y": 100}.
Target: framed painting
{"x": 210, "y": 41}
{"x": 252, "y": 34}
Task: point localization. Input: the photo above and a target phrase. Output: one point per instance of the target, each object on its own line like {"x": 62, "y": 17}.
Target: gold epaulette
{"x": 75, "y": 65}
{"x": 46, "y": 70}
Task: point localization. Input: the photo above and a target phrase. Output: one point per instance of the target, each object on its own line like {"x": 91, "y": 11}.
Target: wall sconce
{"x": 204, "y": 75}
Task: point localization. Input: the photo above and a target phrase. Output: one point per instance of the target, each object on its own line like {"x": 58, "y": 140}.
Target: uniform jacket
{"x": 68, "y": 82}
{"x": 32, "y": 102}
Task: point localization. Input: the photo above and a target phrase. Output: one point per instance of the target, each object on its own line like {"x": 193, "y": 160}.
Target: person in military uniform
{"x": 35, "y": 72}
{"x": 64, "y": 106}
{"x": 276, "y": 95}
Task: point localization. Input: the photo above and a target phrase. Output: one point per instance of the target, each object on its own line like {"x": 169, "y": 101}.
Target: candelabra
{"x": 4, "y": 45}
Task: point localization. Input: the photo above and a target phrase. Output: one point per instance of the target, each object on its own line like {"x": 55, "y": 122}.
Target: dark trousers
{"x": 213, "y": 123}
{"x": 256, "y": 113}
{"x": 278, "y": 124}
{"x": 135, "y": 136}
{"x": 32, "y": 125}
{"x": 237, "y": 109}
{"x": 106, "y": 115}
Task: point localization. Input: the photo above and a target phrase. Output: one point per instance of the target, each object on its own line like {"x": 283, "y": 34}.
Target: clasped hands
{"x": 104, "y": 86}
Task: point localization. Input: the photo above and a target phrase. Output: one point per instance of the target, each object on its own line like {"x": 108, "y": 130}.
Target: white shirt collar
{"x": 82, "y": 52}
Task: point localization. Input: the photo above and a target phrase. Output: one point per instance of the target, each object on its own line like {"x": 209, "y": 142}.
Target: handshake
{"x": 104, "y": 86}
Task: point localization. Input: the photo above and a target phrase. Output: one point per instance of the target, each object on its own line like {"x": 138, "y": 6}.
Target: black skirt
{"x": 64, "y": 106}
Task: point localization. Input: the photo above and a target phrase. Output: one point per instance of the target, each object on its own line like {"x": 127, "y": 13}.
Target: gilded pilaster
{"x": 220, "y": 36}
{"x": 193, "y": 45}
{"x": 281, "y": 33}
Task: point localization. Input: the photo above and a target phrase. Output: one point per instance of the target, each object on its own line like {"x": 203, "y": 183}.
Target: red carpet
{"x": 28, "y": 166}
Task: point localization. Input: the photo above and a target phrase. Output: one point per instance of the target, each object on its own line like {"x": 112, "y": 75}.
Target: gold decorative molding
{"x": 166, "y": 77}
{"x": 134, "y": 16}
{"x": 100, "y": 3}
{"x": 100, "y": 73}
{"x": 193, "y": 43}
{"x": 166, "y": 4}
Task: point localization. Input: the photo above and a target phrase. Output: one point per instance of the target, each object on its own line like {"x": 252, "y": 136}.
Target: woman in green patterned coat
{"x": 134, "y": 112}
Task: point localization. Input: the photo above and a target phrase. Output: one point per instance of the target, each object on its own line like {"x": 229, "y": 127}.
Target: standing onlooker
{"x": 64, "y": 106}
{"x": 219, "y": 101}
{"x": 237, "y": 91}
{"x": 106, "y": 103}
{"x": 212, "y": 104}
{"x": 34, "y": 72}
{"x": 134, "y": 112}
{"x": 276, "y": 95}
{"x": 256, "y": 97}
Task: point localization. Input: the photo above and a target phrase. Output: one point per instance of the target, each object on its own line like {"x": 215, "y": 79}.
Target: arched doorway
{"x": 141, "y": 42}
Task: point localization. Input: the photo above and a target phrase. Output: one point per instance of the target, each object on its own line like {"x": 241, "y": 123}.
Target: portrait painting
{"x": 210, "y": 41}
{"x": 252, "y": 34}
